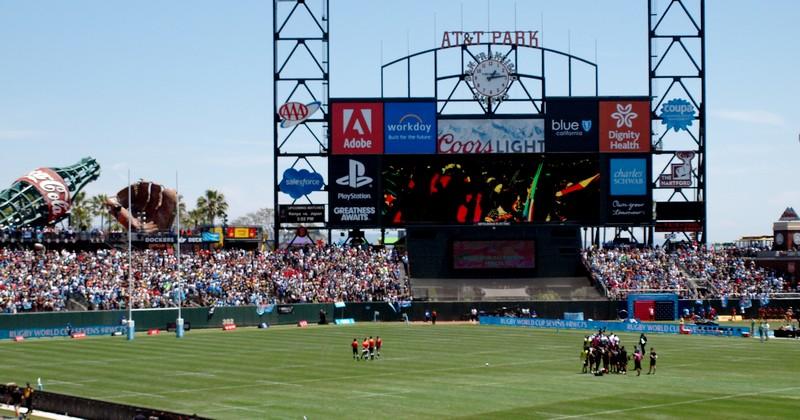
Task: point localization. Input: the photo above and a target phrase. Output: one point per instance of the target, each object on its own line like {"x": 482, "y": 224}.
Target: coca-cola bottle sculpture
{"x": 44, "y": 195}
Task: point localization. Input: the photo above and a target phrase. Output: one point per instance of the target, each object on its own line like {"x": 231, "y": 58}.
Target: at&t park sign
{"x": 456, "y": 38}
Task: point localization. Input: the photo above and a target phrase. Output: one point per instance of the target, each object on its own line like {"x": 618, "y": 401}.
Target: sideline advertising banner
{"x": 354, "y": 198}
{"x": 356, "y": 128}
{"x": 624, "y": 126}
{"x": 409, "y": 127}
{"x": 478, "y": 136}
{"x": 615, "y": 326}
{"x": 571, "y": 125}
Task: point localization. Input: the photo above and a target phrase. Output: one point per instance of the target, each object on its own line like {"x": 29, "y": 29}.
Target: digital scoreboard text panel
{"x": 473, "y": 189}
{"x": 494, "y": 254}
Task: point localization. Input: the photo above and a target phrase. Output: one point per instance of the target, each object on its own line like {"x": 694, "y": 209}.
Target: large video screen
{"x": 497, "y": 254}
{"x": 472, "y": 189}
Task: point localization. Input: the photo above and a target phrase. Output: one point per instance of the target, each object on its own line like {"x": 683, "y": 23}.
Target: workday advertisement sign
{"x": 409, "y": 127}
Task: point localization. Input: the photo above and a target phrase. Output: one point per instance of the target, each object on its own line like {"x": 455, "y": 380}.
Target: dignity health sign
{"x": 476, "y": 136}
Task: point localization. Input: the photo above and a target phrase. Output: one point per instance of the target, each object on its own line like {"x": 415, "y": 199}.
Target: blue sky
{"x": 160, "y": 87}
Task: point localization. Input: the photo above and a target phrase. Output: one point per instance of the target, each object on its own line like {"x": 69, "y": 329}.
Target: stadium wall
{"x": 86, "y": 408}
{"x": 54, "y": 323}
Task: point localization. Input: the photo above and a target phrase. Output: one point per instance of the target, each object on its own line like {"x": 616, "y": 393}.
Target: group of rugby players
{"x": 370, "y": 348}
{"x": 604, "y": 348}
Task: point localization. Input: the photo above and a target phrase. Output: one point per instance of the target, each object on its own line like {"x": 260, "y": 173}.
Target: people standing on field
{"x": 653, "y": 357}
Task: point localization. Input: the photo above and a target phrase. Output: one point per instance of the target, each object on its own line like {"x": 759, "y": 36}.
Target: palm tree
{"x": 212, "y": 204}
{"x": 193, "y": 218}
{"x": 97, "y": 207}
{"x": 80, "y": 217}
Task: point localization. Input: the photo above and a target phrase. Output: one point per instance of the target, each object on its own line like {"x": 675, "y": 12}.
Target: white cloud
{"x": 757, "y": 116}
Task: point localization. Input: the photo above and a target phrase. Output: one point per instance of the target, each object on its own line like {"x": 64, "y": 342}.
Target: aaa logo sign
{"x": 625, "y": 126}
{"x": 357, "y": 128}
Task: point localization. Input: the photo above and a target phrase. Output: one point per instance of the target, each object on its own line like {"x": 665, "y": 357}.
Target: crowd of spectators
{"x": 630, "y": 270}
{"x": 48, "y": 233}
{"x": 723, "y": 272}
{"x": 32, "y": 280}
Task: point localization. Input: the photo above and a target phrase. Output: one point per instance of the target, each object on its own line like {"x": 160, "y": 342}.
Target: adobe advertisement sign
{"x": 571, "y": 125}
{"x": 624, "y": 126}
{"x": 356, "y": 128}
{"x": 628, "y": 192}
{"x": 478, "y": 136}
{"x": 354, "y": 197}
{"x": 409, "y": 127}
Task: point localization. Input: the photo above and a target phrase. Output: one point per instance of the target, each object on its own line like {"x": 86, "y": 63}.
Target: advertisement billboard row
{"x": 400, "y": 190}
{"x": 569, "y": 125}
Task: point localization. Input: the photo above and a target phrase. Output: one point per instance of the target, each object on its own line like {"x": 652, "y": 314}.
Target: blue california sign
{"x": 677, "y": 114}
{"x": 299, "y": 183}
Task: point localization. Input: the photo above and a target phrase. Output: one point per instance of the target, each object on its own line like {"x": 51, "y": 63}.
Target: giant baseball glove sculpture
{"x": 152, "y": 207}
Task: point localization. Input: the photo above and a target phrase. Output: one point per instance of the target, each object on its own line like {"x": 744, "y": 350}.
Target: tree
{"x": 193, "y": 218}
{"x": 211, "y": 205}
{"x": 183, "y": 214}
{"x": 262, "y": 217}
{"x": 97, "y": 208}
{"x": 80, "y": 217}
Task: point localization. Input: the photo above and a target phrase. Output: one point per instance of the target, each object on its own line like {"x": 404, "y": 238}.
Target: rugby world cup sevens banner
{"x": 60, "y": 331}
{"x": 648, "y": 328}
{"x": 581, "y": 325}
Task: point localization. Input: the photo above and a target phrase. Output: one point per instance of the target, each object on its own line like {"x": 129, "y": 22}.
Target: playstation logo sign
{"x": 355, "y": 178}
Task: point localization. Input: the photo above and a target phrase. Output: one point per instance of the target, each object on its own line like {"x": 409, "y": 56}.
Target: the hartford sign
{"x": 456, "y": 38}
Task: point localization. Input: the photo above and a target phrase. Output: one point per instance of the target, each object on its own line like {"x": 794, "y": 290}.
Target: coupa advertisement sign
{"x": 409, "y": 127}
{"x": 624, "y": 126}
{"x": 354, "y": 191}
{"x": 476, "y": 136}
{"x": 571, "y": 125}
{"x": 629, "y": 198}
{"x": 356, "y": 128}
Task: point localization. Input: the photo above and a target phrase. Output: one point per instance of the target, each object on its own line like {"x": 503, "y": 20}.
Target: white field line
{"x": 199, "y": 373}
{"x": 123, "y": 394}
{"x": 365, "y": 394}
{"x": 695, "y": 401}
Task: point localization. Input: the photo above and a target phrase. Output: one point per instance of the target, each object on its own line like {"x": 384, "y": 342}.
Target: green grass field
{"x": 426, "y": 372}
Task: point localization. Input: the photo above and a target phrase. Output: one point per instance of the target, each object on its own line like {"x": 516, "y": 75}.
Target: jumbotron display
{"x": 472, "y": 189}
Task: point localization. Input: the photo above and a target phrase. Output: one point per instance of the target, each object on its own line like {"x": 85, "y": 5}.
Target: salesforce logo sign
{"x": 677, "y": 114}
{"x": 299, "y": 183}
{"x": 628, "y": 177}
{"x": 409, "y": 127}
